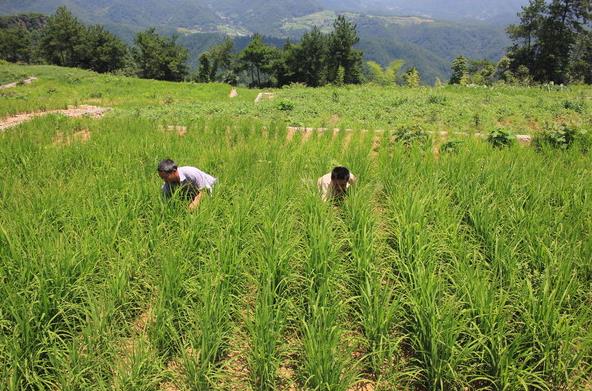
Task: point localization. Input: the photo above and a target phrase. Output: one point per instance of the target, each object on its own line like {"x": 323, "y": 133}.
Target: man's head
{"x": 167, "y": 170}
{"x": 340, "y": 178}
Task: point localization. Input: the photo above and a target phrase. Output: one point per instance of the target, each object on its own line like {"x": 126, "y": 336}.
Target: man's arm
{"x": 196, "y": 200}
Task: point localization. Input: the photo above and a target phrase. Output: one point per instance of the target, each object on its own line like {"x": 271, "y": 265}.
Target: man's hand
{"x": 195, "y": 203}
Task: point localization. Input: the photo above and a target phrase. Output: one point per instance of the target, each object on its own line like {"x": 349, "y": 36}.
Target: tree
{"x": 257, "y": 59}
{"x": 412, "y": 78}
{"x": 221, "y": 58}
{"x": 311, "y": 59}
{"x": 581, "y": 60}
{"x": 481, "y": 72}
{"x": 15, "y": 44}
{"x": 102, "y": 51}
{"x": 546, "y": 39}
{"x": 159, "y": 57}
{"x": 62, "y": 39}
{"x": 386, "y": 76}
{"x": 342, "y": 53}
{"x": 459, "y": 71}
{"x": 204, "y": 71}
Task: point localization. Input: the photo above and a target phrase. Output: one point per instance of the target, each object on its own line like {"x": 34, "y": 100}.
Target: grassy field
{"x": 450, "y": 108}
{"x": 468, "y": 270}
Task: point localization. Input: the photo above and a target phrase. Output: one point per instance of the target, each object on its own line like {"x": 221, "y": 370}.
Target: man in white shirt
{"x": 334, "y": 185}
{"x": 192, "y": 182}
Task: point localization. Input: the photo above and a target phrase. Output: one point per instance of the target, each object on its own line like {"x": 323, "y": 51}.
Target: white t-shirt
{"x": 326, "y": 188}
{"x": 191, "y": 177}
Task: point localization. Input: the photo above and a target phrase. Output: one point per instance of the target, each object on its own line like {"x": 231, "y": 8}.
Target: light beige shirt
{"x": 326, "y": 188}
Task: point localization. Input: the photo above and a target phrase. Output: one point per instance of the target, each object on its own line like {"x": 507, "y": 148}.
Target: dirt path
{"x": 292, "y": 130}
{"x": 80, "y": 111}
{"x": 16, "y": 83}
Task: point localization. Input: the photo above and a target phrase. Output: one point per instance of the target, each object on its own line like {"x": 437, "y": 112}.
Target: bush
{"x": 285, "y": 105}
{"x": 451, "y": 146}
{"x": 578, "y": 107}
{"x": 436, "y": 99}
{"x": 411, "y": 136}
{"x": 562, "y": 137}
{"x": 500, "y": 139}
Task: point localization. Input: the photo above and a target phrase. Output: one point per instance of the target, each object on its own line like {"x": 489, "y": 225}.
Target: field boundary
{"x": 521, "y": 138}
{"x": 16, "y": 83}
{"x": 73, "y": 112}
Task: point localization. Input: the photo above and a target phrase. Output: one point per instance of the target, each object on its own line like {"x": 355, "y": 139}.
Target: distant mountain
{"x": 485, "y": 10}
{"x": 424, "y": 40}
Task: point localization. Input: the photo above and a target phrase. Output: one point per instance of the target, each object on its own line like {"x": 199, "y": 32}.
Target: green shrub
{"x": 451, "y": 146}
{"x": 562, "y": 137}
{"x": 499, "y": 138}
{"x": 409, "y": 136}
{"x": 285, "y": 105}
{"x": 437, "y": 99}
{"x": 577, "y": 106}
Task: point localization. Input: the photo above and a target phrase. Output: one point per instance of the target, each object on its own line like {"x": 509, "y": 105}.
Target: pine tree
{"x": 311, "y": 59}
{"x": 159, "y": 57}
{"x": 546, "y": 40}
{"x": 257, "y": 59}
{"x": 203, "y": 75}
{"x": 101, "y": 51}
{"x": 342, "y": 53}
{"x": 62, "y": 39}
{"x": 460, "y": 71}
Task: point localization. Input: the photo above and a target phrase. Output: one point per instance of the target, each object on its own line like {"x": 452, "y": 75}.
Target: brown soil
{"x": 179, "y": 129}
{"x": 81, "y": 136}
{"x": 364, "y": 385}
{"x": 334, "y": 120}
{"x": 74, "y": 112}
{"x": 264, "y": 96}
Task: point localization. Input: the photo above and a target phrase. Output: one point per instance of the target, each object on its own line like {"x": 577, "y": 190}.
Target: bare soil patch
{"x": 74, "y": 112}
{"x": 81, "y": 136}
{"x": 17, "y": 83}
{"x": 179, "y": 129}
{"x": 264, "y": 96}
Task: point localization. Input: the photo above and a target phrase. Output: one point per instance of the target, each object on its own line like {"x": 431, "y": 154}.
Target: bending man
{"x": 334, "y": 185}
{"x": 191, "y": 182}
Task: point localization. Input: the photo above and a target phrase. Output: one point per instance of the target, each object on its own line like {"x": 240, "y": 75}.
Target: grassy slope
{"x": 450, "y": 108}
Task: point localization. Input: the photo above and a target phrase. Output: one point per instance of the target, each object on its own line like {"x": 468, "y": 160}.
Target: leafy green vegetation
{"x": 461, "y": 270}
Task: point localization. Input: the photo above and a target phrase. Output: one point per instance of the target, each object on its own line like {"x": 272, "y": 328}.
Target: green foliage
{"x": 561, "y": 137}
{"x": 341, "y": 52}
{"x": 159, "y": 58}
{"x": 285, "y": 105}
{"x": 257, "y": 59}
{"x": 204, "y": 69}
{"x": 577, "y": 106}
{"x": 412, "y": 78}
{"x": 468, "y": 271}
{"x": 552, "y": 40}
{"x": 409, "y": 136}
{"x": 451, "y": 146}
{"x": 500, "y": 138}
{"x": 102, "y": 51}
{"x": 62, "y": 39}
{"x": 459, "y": 71}
{"x": 385, "y": 77}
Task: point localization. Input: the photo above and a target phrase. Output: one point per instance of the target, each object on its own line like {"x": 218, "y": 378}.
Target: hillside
{"x": 424, "y": 42}
{"x": 450, "y": 9}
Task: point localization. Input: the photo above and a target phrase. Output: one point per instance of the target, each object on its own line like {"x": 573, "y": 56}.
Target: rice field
{"x": 467, "y": 270}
